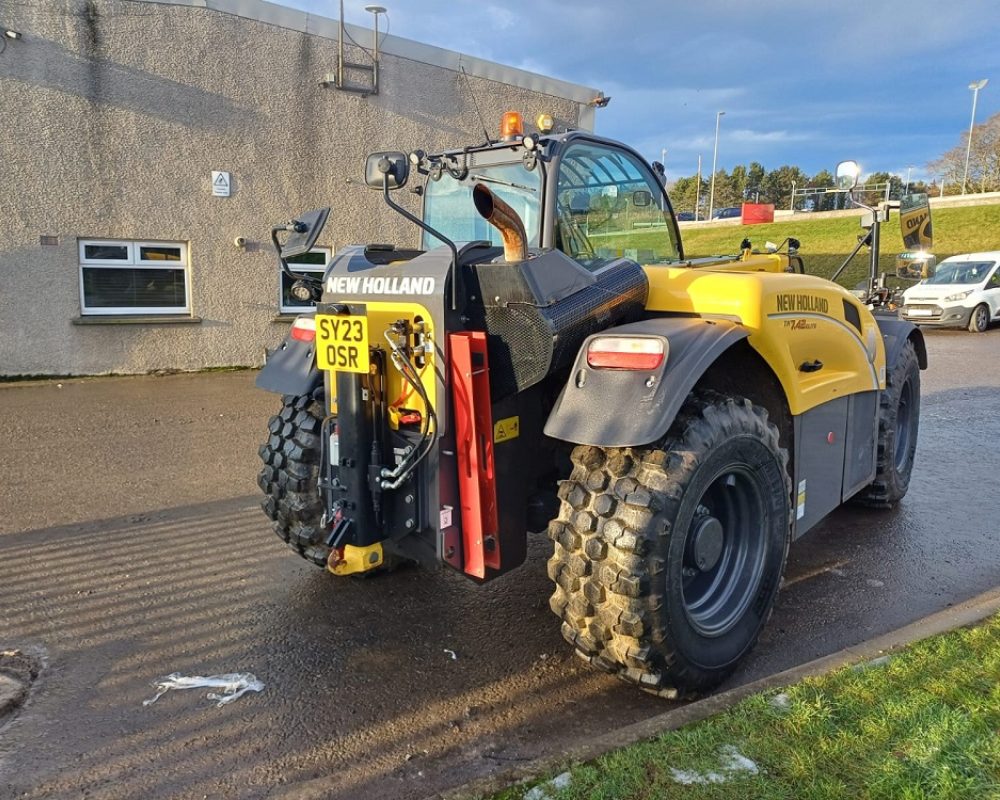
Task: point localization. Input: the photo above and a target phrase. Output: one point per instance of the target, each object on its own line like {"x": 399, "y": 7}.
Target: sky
{"x": 802, "y": 82}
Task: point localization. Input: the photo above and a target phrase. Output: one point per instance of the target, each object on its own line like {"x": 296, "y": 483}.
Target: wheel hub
{"x": 706, "y": 543}
{"x": 724, "y": 551}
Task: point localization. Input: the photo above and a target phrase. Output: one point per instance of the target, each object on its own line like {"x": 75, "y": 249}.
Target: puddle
{"x": 18, "y": 672}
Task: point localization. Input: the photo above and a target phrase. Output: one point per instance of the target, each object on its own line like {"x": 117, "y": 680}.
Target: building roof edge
{"x": 316, "y": 25}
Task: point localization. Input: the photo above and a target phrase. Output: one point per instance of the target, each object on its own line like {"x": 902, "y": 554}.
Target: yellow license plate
{"x": 342, "y": 343}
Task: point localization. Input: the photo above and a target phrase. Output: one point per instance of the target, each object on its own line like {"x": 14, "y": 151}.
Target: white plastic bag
{"x": 232, "y": 684}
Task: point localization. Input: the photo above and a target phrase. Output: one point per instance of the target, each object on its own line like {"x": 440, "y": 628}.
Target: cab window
{"x": 609, "y": 205}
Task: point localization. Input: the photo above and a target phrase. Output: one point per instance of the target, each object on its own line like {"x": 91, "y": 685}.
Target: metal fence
{"x": 829, "y": 199}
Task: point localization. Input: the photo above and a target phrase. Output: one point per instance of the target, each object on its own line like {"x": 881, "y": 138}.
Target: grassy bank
{"x": 923, "y": 723}
{"x": 826, "y": 242}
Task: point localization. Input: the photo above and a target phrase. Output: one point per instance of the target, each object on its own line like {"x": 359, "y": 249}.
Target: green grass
{"x": 827, "y": 242}
{"x": 923, "y": 725}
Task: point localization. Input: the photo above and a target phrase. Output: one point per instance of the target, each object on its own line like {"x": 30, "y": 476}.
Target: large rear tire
{"x": 668, "y": 558}
{"x": 898, "y": 426}
{"x": 290, "y": 472}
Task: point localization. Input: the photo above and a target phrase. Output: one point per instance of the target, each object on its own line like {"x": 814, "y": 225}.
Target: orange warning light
{"x": 511, "y": 126}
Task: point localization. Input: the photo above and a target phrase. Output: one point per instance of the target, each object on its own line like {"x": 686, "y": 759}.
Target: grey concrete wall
{"x": 115, "y": 113}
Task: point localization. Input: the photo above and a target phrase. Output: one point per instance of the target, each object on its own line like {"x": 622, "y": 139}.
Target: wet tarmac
{"x": 131, "y": 547}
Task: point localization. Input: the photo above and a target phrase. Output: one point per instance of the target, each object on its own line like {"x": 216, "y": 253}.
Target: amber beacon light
{"x": 511, "y": 126}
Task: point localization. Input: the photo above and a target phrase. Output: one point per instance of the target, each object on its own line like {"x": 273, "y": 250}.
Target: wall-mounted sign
{"x": 220, "y": 183}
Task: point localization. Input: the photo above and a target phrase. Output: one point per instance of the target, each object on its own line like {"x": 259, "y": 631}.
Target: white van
{"x": 963, "y": 292}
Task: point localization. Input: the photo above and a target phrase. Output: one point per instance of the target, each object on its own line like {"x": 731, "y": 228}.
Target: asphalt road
{"x": 131, "y": 547}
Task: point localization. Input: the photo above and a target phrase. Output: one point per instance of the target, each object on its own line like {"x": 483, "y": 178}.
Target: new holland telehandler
{"x": 550, "y": 359}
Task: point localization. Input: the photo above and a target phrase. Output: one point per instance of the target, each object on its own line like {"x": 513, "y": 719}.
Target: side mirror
{"x": 391, "y": 165}
{"x": 915, "y": 222}
{"x": 304, "y": 231}
{"x": 848, "y": 173}
{"x": 642, "y": 198}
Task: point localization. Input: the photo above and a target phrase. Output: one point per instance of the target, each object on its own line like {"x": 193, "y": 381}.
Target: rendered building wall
{"x": 115, "y": 114}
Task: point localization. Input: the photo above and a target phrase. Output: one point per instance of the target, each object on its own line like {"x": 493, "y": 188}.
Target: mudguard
{"x": 290, "y": 369}
{"x": 623, "y": 408}
{"x": 895, "y": 333}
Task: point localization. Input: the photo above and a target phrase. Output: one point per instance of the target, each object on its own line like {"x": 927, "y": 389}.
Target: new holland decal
{"x": 395, "y": 284}
{"x": 803, "y": 302}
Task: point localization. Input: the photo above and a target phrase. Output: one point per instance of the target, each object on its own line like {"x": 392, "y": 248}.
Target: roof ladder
{"x": 352, "y": 76}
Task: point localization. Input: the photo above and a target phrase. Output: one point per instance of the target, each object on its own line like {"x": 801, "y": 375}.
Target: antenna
{"x": 475, "y": 104}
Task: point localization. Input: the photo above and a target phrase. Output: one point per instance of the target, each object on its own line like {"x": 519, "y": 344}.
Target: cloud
{"x": 802, "y": 83}
{"x": 501, "y": 17}
{"x": 747, "y": 136}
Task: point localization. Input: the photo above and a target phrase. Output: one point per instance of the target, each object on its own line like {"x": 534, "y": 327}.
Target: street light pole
{"x": 975, "y": 86}
{"x": 715, "y": 157}
{"x": 907, "y": 187}
{"x": 697, "y": 190}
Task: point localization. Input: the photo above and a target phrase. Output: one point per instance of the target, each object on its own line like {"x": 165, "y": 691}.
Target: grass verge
{"x": 827, "y": 242}
{"x": 921, "y": 723}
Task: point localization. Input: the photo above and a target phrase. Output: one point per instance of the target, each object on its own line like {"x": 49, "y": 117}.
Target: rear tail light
{"x": 304, "y": 329}
{"x": 625, "y": 352}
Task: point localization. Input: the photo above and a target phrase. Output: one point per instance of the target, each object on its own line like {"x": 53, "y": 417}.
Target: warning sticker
{"x": 446, "y": 520}
{"x": 506, "y": 429}
{"x": 221, "y": 184}
{"x": 800, "y": 510}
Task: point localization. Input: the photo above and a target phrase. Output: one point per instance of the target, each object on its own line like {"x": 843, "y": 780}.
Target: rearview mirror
{"x": 915, "y": 222}
{"x": 848, "y": 173}
{"x": 915, "y": 265}
{"x": 389, "y": 165}
{"x": 306, "y": 230}
{"x": 642, "y": 198}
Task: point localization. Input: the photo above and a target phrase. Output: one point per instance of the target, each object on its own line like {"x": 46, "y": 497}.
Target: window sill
{"x": 283, "y": 317}
{"x": 138, "y": 319}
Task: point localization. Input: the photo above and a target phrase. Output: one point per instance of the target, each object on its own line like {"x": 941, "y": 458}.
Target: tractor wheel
{"x": 668, "y": 558}
{"x": 898, "y": 424}
{"x": 289, "y": 478}
{"x": 980, "y": 319}
{"x": 290, "y": 472}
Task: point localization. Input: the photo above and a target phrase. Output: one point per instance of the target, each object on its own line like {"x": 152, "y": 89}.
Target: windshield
{"x": 960, "y": 272}
{"x": 448, "y": 204}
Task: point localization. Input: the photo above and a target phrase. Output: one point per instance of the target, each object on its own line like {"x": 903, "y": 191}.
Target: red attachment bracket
{"x": 477, "y": 490}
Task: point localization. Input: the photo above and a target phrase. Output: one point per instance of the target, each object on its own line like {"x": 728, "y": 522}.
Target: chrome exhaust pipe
{"x": 505, "y": 219}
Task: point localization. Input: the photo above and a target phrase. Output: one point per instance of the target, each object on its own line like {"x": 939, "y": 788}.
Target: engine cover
{"x": 537, "y": 313}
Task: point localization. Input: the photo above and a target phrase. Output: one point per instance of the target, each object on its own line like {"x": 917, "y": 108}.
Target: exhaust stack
{"x": 505, "y": 219}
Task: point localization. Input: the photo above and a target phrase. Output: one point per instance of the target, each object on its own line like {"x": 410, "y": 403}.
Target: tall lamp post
{"x": 715, "y": 158}
{"x": 697, "y": 190}
{"x": 975, "y": 86}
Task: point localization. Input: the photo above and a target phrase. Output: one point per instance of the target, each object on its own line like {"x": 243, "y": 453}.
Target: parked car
{"x": 963, "y": 292}
{"x": 685, "y": 216}
{"x": 727, "y": 213}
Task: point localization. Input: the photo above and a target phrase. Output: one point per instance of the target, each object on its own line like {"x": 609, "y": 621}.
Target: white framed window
{"x": 312, "y": 263}
{"x": 133, "y": 277}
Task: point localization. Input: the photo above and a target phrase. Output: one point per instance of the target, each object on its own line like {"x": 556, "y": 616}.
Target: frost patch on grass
{"x": 881, "y": 661}
{"x": 541, "y": 792}
{"x": 732, "y": 762}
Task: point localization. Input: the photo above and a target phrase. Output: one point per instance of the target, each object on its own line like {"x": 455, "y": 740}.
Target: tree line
{"x": 752, "y": 183}
{"x": 984, "y": 160}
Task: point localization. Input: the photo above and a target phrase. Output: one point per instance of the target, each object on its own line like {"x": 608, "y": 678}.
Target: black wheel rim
{"x": 904, "y": 414}
{"x": 717, "y": 595}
